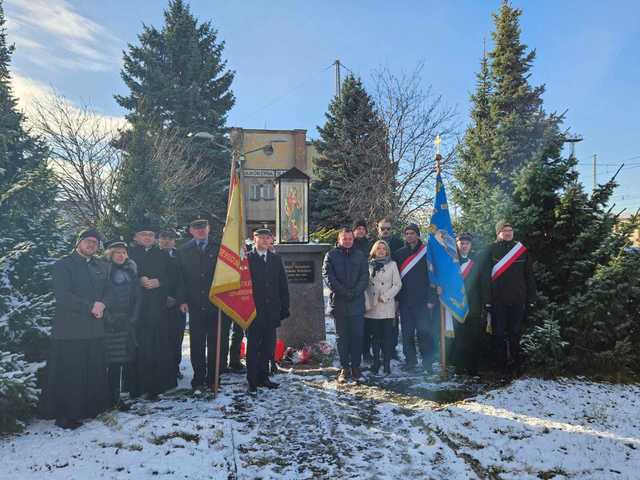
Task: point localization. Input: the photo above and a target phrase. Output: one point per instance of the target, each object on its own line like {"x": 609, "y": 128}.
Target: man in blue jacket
{"x": 346, "y": 272}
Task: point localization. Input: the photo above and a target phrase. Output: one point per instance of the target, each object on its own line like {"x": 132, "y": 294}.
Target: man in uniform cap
{"x": 508, "y": 278}
{"x": 154, "y": 371}
{"x": 177, "y": 319}
{"x": 196, "y": 264}
{"x": 77, "y": 386}
{"x": 271, "y": 297}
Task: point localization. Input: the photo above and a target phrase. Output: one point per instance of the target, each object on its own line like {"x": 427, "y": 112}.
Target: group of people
{"x": 120, "y": 319}
{"x": 382, "y": 287}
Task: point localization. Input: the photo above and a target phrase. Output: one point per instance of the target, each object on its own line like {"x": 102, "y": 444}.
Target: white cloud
{"x": 27, "y": 91}
{"x": 51, "y": 33}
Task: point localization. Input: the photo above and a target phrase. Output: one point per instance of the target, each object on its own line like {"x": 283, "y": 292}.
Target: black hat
{"x": 414, "y": 227}
{"x": 263, "y": 231}
{"x": 501, "y": 224}
{"x": 116, "y": 242}
{"x": 465, "y": 236}
{"x": 88, "y": 232}
{"x": 361, "y": 223}
{"x": 168, "y": 233}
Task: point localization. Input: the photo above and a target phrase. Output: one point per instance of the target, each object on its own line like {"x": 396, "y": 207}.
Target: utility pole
{"x": 338, "y": 82}
{"x": 595, "y": 159}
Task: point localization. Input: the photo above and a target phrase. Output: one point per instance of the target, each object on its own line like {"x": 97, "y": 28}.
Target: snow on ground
{"x": 389, "y": 427}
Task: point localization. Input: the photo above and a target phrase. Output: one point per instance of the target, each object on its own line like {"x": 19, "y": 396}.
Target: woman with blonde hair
{"x": 384, "y": 285}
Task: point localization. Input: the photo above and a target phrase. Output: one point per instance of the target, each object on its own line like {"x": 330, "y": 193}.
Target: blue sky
{"x": 587, "y": 57}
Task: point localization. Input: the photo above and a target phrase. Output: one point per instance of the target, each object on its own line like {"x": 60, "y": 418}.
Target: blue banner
{"x": 442, "y": 256}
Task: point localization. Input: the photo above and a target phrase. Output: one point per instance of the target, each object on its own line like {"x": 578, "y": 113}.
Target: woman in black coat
{"x": 121, "y": 317}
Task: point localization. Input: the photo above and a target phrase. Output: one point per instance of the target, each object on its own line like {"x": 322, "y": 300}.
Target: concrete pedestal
{"x": 303, "y": 263}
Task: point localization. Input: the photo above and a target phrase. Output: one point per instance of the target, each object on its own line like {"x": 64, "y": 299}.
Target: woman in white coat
{"x": 384, "y": 285}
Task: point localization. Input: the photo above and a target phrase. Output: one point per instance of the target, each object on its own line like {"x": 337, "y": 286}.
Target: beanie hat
{"x": 88, "y": 232}
{"x": 414, "y": 227}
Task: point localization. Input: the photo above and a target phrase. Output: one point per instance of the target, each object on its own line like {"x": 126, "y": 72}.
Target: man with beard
{"x": 154, "y": 368}
{"x": 509, "y": 275}
{"x": 77, "y": 384}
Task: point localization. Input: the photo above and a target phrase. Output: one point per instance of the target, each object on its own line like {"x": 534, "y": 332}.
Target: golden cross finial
{"x": 437, "y": 143}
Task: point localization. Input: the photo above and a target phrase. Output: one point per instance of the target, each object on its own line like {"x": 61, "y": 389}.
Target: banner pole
{"x": 443, "y": 352}
{"x": 216, "y": 378}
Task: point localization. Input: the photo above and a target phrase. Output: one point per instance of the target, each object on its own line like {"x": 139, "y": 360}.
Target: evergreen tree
{"x": 28, "y": 242}
{"x": 178, "y": 81}
{"x": 353, "y": 159}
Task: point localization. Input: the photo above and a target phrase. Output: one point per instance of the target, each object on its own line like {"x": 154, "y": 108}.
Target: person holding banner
{"x": 271, "y": 298}
{"x": 466, "y": 348}
{"x": 417, "y": 300}
{"x": 196, "y": 263}
{"x": 509, "y": 273}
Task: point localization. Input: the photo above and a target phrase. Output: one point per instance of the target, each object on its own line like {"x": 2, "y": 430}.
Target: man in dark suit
{"x": 271, "y": 296}
{"x": 196, "y": 264}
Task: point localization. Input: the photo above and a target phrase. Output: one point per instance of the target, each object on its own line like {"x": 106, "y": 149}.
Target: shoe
{"x": 387, "y": 369}
{"x": 343, "y": 375}
{"x": 123, "y": 406}
{"x": 237, "y": 367}
{"x": 253, "y": 390}
{"x": 68, "y": 424}
{"x": 356, "y": 374}
{"x": 269, "y": 384}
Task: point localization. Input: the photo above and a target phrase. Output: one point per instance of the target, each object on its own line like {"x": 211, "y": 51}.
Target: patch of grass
{"x": 134, "y": 447}
{"x": 549, "y": 474}
{"x": 186, "y": 436}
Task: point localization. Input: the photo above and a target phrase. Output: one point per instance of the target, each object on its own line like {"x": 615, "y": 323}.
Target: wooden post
{"x": 216, "y": 377}
{"x": 443, "y": 343}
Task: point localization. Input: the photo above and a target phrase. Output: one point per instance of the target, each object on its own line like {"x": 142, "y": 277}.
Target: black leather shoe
{"x": 253, "y": 390}
{"x": 269, "y": 384}
{"x": 68, "y": 424}
{"x": 237, "y": 367}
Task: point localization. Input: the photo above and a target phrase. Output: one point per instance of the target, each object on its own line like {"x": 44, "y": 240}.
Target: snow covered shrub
{"x": 18, "y": 391}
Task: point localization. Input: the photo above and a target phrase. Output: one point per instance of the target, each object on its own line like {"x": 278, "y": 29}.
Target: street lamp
{"x": 267, "y": 149}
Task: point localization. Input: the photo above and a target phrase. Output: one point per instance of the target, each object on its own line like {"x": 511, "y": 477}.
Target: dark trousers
{"x": 367, "y": 340}
{"x": 114, "y": 375}
{"x": 506, "y": 323}
{"x": 465, "y": 352}
{"x": 261, "y": 343}
{"x": 177, "y": 324}
{"x": 421, "y": 322}
{"x": 382, "y": 329}
{"x": 203, "y": 330}
{"x": 237, "y": 334}
{"x": 349, "y": 333}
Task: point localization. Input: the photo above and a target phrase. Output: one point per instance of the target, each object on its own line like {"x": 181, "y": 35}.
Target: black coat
{"x": 417, "y": 288}
{"x": 77, "y": 285}
{"x": 270, "y": 289}
{"x": 121, "y": 318}
{"x": 346, "y": 272}
{"x": 363, "y": 244}
{"x": 517, "y": 284}
{"x": 196, "y": 275}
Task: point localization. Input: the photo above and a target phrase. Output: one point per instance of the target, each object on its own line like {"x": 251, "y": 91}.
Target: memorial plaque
{"x": 300, "y": 271}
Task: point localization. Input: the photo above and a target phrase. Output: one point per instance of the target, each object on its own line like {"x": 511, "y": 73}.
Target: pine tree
{"x": 354, "y": 158}
{"x": 179, "y": 81}
{"x": 29, "y": 240}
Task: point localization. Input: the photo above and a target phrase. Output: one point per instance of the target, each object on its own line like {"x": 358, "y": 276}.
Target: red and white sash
{"x": 465, "y": 268}
{"x": 411, "y": 261}
{"x": 505, "y": 262}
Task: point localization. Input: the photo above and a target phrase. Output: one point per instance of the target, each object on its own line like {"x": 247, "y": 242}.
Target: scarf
{"x": 378, "y": 264}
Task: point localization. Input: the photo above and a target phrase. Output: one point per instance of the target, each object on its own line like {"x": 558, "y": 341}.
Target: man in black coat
{"x": 154, "y": 370}
{"x": 77, "y": 385}
{"x": 346, "y": 272}
{"x": 417, "y": 298}
{"x": 196, "y": 263}
{"x": 271, "y": 297}
{"x": 177, "y": 319}
{"x": 468, "y": 335}
{"x": 508, "y": 276}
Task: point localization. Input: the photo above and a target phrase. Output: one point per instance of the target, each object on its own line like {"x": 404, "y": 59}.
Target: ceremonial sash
{"x": 411, "y": 261}
{"x": 505, "y": 262}
{"x": 465, "y": 269}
